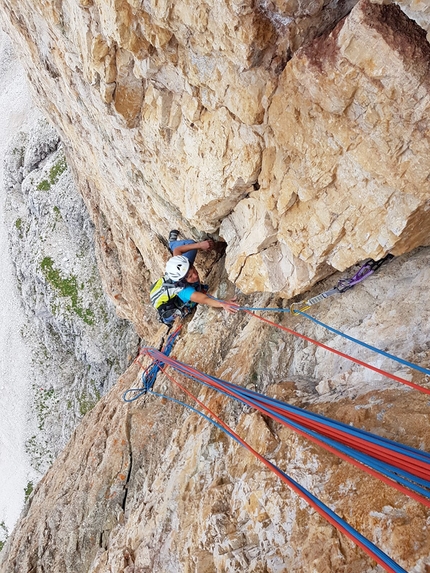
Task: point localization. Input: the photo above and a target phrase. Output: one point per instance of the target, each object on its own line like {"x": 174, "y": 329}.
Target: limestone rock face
{"x": 298, "y": 132}
{"x": 152, "y": 487}
{"x": 345, "y": 175}
{"x": 196, "y": 118}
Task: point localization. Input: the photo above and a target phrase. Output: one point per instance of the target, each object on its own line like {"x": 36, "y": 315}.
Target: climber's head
{"x": 177, "y": 268}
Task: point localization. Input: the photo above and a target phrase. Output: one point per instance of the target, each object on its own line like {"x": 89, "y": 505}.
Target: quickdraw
{"x": 368, "y": 268}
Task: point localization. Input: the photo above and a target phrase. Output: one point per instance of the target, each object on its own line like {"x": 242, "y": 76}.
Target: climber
{"x": 180, "y": 290}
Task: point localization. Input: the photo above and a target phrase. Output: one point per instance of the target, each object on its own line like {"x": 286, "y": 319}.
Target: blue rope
{"x": 253, "y": 397}
{"x": 262, "y": 309}
{"x": 380, "y": 466}
{"x": 383, "y": 556}
{"x": 149, "y": 375}
{"x": 264, "y": 402}
{"x": 340, "y": 333}
{"x": 196, "y": 411}
{"x": 324, "y": 508}
{"x": 351, "y": 430}
{"x": 377, "y": 350}
{"x": 390, "y": 471}
{"x": 396, "y": 474}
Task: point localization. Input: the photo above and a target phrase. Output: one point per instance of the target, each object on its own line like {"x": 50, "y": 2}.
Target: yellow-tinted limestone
{"x": 174, "y": 115}
{"x": 302, "y": 139}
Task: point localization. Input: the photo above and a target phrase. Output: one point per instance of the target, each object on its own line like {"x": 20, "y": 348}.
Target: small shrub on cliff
{"x": 87, "y": 400}
{"x": 28, "y": 491}
{"x": 40, "y": 455}
{"x": 18, "y": 225}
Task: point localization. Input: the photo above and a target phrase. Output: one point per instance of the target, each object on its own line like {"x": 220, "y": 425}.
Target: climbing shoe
{"x": 173, "y": 235}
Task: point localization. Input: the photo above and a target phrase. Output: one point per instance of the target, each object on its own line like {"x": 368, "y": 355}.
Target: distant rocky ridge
{"x": 79, "y": 346}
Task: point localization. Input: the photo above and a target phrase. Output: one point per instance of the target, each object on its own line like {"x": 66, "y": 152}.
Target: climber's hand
{"x": 231, "y": 306}
{"x": 207, "y": 245}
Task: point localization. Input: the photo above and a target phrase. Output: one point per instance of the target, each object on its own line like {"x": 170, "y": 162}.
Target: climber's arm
{"x": 202, "y": 246}
{"x": 229, "y": 305}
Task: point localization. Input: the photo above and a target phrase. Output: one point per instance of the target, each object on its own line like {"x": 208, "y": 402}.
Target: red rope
{"x": 339, "y": 353}
{"x": 387, "y": 456}
{"x": 421, "y": 468}
{"x": 283, "y": 477}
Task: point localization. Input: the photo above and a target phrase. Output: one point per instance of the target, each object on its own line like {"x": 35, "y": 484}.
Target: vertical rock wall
{"x": 346, "y": 174}
{"x": 198, "y": 119}
{"x": 302, "y": 140}
{"x": 151, "y": 487}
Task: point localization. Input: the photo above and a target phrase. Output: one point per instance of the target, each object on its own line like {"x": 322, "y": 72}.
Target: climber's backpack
{"x": 164, "y": 298}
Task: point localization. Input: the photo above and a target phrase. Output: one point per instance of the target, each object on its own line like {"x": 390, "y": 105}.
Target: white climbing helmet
{"x": 177, "y": 267}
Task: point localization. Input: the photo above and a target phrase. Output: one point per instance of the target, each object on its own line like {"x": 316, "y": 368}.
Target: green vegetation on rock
{"x": 28, "y": 490}
{"x": 44, "y": 399}
{"x": 44, "y": 185}
{"x": 54, "y": 175}
{"x": 18, "y": 225}
{"x": 87, "y": 401}
{"x": 4, "y": 534}
{"x": 67, "y": 287}
{"x": 39, "y": 452}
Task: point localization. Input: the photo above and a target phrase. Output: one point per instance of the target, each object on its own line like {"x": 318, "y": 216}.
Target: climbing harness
{"x": 368, "y": 268}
